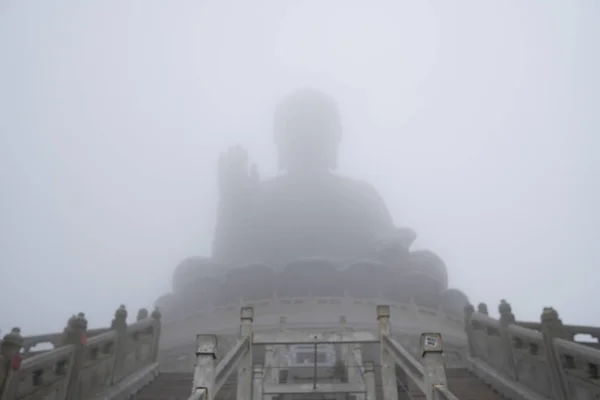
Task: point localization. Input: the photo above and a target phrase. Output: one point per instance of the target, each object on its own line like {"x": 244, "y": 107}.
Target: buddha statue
{"x": 307, "y": 231}
{"x": 308, "y": 210}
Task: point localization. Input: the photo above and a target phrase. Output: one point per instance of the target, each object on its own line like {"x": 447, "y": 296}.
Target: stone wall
{"x": 543, "y": 357}
{"x": 82, "y": 363}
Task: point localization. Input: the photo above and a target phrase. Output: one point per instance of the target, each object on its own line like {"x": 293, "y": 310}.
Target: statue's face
{"x": 307, "y": 131}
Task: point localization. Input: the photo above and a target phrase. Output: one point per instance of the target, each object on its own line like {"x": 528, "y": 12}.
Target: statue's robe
{"x": 291, "y": 217}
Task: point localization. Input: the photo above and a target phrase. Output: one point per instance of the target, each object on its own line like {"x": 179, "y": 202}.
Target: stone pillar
{"x": 205, "y": 365}
{"x": 119, "y": 324}
{"x": 356, "y": 362}
{"x": 156, "y": 315}
{"x": 432, "y": 350}
{"x": 10, "y": 359}
{"x": 552, "y": 328}
{"x": 272, "y": 367}
{"x": 370, "y": 380}
{"x": 244, "y": 377}
{"x": 471, "y": 345}
{"x": 257, "y": 385}
{"x": 507, "y": 318}
{"x": 388, "y": 364}
{"x": 76, "y": 335}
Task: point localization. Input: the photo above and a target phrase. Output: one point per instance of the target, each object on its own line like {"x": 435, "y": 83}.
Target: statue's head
{"x": 307, "y": 131}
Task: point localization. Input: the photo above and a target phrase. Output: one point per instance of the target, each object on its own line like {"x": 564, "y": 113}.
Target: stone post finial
{"x": 505, "y": 311}
{"x": 482, "y": 308}
{"x": 247, "y": 313}
{"x": 156, "y": 314}
{"x": 10, "y": 355}
{"x": 11, "y": 343}
{"x": 383, "y": 311}
{"x": 469, "y": 310}
{"x": 504, "y": 307}
{"x": 142, "y": 314}
{"x": 550, "y": 315}
{"x": 74, "y": 332}
{"x": 69, "y": 325}
{"x": 120, "y": 320}
{"x": 553, "y": 328}
{"x": 80, "y": 322}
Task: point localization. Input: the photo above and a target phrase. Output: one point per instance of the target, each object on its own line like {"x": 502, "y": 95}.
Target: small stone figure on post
{"x": 505, "y": 311}
{"x": 119, "y": 323}
{"x": 156, "y": 314}
{"x": 552, "y": 328}
{"x": 10, "y": 358}
{"x": 482, "y": 308}
{"x": 75, "y": 331}
{"x": 120, "y": 319}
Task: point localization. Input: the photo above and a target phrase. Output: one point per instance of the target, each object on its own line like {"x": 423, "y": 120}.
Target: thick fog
{"x": 476, "y": 120}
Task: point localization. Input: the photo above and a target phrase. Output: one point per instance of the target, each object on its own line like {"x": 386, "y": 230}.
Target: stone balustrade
{"x": 542, "y": 357}
{"x": 521, "y": 360}
{"x": 83, "y": 364}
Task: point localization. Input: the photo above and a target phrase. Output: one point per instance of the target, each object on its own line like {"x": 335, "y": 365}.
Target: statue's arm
{"x": 237, "y": 186}
{"x": 380, "y": 216}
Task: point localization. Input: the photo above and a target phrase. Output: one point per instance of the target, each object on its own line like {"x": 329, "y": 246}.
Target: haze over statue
{"x": 310, "y": 260}
{"x": 307, "y": 211}
{"x": 308, "y": 224}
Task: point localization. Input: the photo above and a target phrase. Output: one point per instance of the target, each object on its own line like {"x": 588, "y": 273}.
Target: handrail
{"x": 427, "y": 372}
{"x": 406, "y": 389}
{"x": 442, "y": 393}
{"x": 512, "y": 355}
{"x": 199, "y": 394}
{"x": 230, "y": 363}
{"x": 406, "y": 361}
{"x": 98, "y": 363}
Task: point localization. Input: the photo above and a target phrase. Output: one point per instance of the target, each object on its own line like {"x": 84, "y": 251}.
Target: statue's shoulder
{"x": 361, "y": 188}
{"x": 353, "y": 188}
{"x": 366, "y": 196}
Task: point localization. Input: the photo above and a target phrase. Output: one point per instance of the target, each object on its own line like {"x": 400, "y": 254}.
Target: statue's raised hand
{"x": 235, "y": 175}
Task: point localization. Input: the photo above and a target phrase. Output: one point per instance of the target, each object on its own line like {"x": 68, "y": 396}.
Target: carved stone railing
{"x": 529, "y": 363}
{"x": 275, "y": 303}
{"x": 84, "y": 364}
{"x": 571, "y": 332}
{"x": 257, "y": 381}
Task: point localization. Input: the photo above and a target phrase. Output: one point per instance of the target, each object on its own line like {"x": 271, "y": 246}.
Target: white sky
{"x": 477, "y": 121}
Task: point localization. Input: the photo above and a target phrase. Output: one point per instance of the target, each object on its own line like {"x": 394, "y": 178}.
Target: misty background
{"x": 477, "y": 121}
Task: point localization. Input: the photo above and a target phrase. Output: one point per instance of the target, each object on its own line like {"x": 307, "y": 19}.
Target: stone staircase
{"x": 467, "y": 386}
{"x": 122, "y": 361}
{"x": 463, "y": 384}
{"x": 168, "y": 386}
{"x": 177, "y": 386}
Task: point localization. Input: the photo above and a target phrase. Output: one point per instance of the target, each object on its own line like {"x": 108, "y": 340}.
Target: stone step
{"x": 177, "y": 386}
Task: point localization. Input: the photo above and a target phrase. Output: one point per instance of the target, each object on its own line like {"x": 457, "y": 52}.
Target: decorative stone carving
{"x": 120, "y": 320}
{"x": 9, "y": 354}
{"x": 482, "y": 308}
